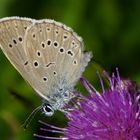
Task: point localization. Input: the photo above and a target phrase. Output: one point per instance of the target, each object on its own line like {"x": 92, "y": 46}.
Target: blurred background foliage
{"x": 110, "y": 29}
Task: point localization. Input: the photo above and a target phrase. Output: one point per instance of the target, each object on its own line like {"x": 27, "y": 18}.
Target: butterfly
{"x": 49, "y": 56}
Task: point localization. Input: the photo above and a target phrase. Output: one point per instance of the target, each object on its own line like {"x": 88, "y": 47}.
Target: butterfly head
{"x": 47, "y": 109}
{"x": 57, "y": 102}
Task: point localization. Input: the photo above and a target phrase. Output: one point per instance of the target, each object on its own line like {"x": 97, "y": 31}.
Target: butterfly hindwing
{"x": 56, "y": 55}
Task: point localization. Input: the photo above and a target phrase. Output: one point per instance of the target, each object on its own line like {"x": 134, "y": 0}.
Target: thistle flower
{"x": 113, "y": 114}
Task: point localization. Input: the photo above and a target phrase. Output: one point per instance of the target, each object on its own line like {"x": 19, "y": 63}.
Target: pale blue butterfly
{"x": 48, "y": 55}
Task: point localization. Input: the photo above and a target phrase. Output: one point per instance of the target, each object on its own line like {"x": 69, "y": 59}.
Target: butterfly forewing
{"x": 12, "y": 34}
{"x": 12, "y": 31}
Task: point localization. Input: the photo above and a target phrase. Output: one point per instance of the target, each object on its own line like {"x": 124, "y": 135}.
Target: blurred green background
{"x": 110, "y": 29}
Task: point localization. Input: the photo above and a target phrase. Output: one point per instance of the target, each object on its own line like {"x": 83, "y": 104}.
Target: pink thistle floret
{"x": 111, "y": 115}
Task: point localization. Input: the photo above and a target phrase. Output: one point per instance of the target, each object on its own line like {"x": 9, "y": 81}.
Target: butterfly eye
{"x": 48, "y": 110}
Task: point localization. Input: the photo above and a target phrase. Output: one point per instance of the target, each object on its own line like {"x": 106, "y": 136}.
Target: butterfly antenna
{"x": 30, "y": 117}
